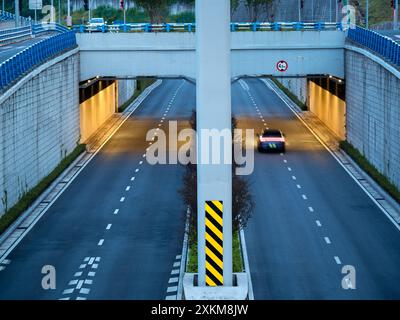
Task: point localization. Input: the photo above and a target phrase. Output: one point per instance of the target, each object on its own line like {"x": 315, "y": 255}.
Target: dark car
{"x": 271, "y": 140}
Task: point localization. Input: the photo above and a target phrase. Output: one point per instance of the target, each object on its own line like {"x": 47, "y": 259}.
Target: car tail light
{"x": 263, "y": 139}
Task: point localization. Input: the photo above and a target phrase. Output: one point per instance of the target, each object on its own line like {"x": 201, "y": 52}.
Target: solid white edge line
{"x": 183, "y": 257}
{"x": 336, "y": 158}
{"x": 146, "y": 93}
{"x": 246, "y": 264}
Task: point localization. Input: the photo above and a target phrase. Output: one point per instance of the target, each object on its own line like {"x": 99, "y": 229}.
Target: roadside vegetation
{"x": 371, "y": 170}
{"x": 29, "y": 197}
{"x": 242, "y": 208}
{"x": 293, "y": 97}
{"x": 141, "y": 85}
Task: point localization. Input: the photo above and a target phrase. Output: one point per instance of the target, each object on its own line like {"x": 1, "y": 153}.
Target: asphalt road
{"x": 309, "y": 211}
{"x": 136, "y": 258}
{"x": 311, "y": 218}
{"x": 9, "y": 50}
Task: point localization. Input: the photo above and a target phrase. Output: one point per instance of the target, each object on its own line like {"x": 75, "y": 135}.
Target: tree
{"x": 234, "y": 6}
{"x": 156, "y": 9}
{"x": 257, "y": 7}
{"x": 242, "y": 201}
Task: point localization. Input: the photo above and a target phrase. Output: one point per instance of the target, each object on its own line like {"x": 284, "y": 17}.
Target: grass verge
{"x": 371, "y": 170}
{"x": 236, "y": 255}
{"x": 296, "y": 100}
{"x": 29, "y": 197}
{"x": 142, "y": 84}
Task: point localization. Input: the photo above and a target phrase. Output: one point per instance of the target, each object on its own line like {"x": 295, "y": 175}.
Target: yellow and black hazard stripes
{"x": 214, "y": 243}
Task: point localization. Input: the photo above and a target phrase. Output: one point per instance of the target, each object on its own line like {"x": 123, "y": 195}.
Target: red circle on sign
{"x": 282, "y": 66}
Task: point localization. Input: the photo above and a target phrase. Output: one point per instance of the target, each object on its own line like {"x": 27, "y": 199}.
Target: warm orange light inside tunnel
{"x": 96, "y": 110}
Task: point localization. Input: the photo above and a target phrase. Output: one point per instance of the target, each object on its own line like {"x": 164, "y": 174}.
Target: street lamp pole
{"x": 367, "y": 14}
{"x": 213, "y": 110}
{"x": 69, "y": 20}
{"x": 299, "y": 3}
{"x": 396, "y": 15}
{"x": 17, "y": 13}
{"x": 59, "y": 11}
{"x": 312, "y": 10}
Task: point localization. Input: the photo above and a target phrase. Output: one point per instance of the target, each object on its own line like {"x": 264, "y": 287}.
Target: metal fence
{"x": 38, "y": 53}
{"x": 15, "y": 34}
{"x": 191, "y": 27}
{"x": 382, "y": 45}
{"x": 6, "y": 16}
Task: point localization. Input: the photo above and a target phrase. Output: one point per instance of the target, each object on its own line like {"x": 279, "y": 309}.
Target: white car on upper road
{"x": 95, "y": 24}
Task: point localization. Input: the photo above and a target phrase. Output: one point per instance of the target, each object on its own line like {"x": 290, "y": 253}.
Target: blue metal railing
{"x": 48, "y": 27}
{"x": 36, "y": 54}
{"x": 382, "y": 45}
{"x": 15, "y": 34}
{"x": 5, "y": 16}
{"x": 191, "y": 27}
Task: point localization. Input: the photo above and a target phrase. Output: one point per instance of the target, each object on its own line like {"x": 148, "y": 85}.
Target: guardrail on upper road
{"x": 15, "y": 34}
{"x": 48, "y": 27}
{"x": 385, "y": 46}
{"x": 6, "y": 16}
{"x": 191, "y": 27}
{"x": 34, "y": 55}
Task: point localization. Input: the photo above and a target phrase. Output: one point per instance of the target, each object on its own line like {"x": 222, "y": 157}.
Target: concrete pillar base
{"x": 239, "y": 291}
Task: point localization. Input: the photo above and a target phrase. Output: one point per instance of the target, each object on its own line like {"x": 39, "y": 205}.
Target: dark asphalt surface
{"x": 9, "y": 50}
{"x": 139, "y": 250}
{"x": 288, "y": 254}
{"x": 289, "y": 257}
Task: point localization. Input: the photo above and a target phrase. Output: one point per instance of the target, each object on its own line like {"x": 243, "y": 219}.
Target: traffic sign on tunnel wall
{"x": 282, "y": 66}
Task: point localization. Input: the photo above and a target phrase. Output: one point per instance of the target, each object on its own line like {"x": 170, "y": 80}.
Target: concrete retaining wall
{"x": 298, "y": 86}
{"x": 373, "y": 111}
{"x": 126, "y": 89}
{"x": 330, "y": 109}
{"x": 39, "y": 126}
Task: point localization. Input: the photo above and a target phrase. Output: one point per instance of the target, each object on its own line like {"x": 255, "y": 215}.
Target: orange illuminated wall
{"x": 98, "y": 103}
{"x": 329, "y": 108}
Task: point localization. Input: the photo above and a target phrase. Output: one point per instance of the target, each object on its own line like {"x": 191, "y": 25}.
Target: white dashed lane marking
{"x": 327, "y": 240}
{"x": 294, "y": 178}
{"x": 100, "y": 243}
{"x": 337, "y": 260}
{"x": 318, "y": 223}
{"x": 304, "y": 197}
{"x": 128, "y": 188}
{"x": 173, "y": 280}
{"x": 108, "y": 226}
{"x": 122, "y": 199}
{"x": 311, "y": 209}
{"x": 298, "y": 186}
{"x": 116, "y": 211}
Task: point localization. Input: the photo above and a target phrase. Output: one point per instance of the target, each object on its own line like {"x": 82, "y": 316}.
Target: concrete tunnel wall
{"x": 329, "y": 108}
{"x": 100, "y": 101}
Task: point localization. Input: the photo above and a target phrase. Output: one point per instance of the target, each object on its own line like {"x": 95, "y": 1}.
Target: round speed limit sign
{"x": 282, "y": 66}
